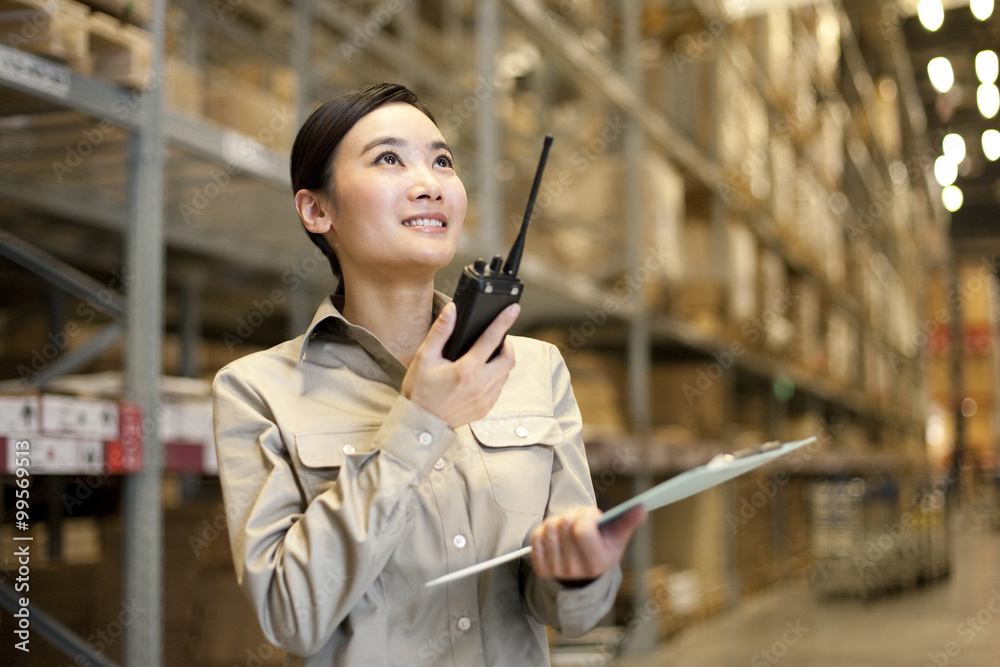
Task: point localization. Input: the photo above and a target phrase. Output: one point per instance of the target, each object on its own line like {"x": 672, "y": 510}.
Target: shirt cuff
{"x": 414, "y": 436}
{"x": 582, "y": 608}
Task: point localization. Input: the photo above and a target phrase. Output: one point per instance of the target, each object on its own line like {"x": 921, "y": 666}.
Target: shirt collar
{"x": 328, "y": 319}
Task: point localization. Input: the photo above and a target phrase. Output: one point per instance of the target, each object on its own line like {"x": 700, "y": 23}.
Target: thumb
{"x": 440, "y": 330}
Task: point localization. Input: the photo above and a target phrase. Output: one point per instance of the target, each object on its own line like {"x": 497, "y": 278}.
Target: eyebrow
{"x": 396, "y": 141}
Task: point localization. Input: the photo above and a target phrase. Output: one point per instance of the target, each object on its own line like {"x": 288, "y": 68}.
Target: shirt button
{"x": 521, "y": 432}
{"x": 439, "y": 464}
{"x": 464, "y": 624}
{"x": 349, "y": 449}
{"x": 425, "y": 438}
{"x": 459, "y": 541}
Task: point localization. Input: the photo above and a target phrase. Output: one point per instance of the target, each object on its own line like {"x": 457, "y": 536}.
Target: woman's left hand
{"x": 571, "y": 547}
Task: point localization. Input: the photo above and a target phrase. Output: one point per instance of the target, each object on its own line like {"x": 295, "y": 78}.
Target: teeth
{"x": 423, "y": 222}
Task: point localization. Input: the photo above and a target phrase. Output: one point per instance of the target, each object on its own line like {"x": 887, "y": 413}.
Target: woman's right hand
{"x": 463, "y": 390}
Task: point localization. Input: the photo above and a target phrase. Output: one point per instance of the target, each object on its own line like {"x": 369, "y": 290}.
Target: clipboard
{"x": 722, "y": 468}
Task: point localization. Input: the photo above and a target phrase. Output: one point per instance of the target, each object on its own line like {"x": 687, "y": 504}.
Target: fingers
{"x": 568, "y": 547}
{"x": 440, "y": 331}
{"x": 620, "y": 530}
{"x": 574, "y": 547}
{"x": 546, "y": 548}
{"x": 495, "y": 332}
{"x": 467, "y": 389}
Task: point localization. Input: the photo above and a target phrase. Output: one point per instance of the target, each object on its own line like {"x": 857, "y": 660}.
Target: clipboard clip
{"x": 746, "y": 452}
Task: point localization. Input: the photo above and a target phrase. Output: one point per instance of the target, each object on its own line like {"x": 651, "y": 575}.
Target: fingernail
{"x": 514, "y": 310}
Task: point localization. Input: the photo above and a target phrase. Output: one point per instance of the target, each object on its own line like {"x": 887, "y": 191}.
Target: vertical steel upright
{"x": 994, "y": 313}
{"x": 641, "y": 549}
{"x": 957, "y": 377}
{"x": 301, "y": 56}
{"x": 488, "y": 28}
{"x": 144, "y": 257}
{"x": 300, "y": 299}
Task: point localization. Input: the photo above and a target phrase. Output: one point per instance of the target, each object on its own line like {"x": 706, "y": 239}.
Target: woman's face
{"x": 398, "y": 204}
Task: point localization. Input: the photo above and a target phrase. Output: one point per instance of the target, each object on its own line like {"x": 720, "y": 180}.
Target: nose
{"x": 426, "y": 185}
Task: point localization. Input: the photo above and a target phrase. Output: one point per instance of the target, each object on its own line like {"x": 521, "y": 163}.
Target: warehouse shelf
{"x": 34, "y": 85}
{"x": 226, "y": 193}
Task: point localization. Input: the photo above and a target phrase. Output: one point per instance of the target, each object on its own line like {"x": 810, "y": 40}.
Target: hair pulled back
{"x": 313, "y": 151}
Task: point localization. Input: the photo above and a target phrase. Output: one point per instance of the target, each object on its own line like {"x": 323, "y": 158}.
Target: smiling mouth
{"x": 424, "y": 222}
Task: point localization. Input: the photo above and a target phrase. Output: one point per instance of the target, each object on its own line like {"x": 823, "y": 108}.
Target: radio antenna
{"x": 516, "y": 250}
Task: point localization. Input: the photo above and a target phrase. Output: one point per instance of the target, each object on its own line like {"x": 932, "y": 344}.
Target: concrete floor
{"x": 955, "y": 621}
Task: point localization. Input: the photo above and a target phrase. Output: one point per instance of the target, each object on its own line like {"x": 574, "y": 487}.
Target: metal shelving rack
{"x": 166, "y": 152}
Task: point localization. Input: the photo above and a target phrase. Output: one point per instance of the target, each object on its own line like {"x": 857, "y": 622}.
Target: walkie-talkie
{"x": 484, "y": 291}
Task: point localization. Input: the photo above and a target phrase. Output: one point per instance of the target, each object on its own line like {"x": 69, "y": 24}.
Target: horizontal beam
{"x": 53, "y": 631}
{"x": 61, "y": 274}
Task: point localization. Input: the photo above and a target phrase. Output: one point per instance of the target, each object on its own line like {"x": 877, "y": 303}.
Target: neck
{"x": 399, "y": 315}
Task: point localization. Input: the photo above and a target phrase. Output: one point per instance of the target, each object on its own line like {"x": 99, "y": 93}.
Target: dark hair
{"x": 312, "y": 153}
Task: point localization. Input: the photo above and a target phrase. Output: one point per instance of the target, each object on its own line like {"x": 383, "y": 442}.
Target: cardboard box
{"x": 121, "y": 53}
{"x": 250, "y": 110}
{"x": 18, "y": 415}
{"x": 693, "y": 395}
{"x": 81, "y": 417}
{"x": 50, "y": 454}
{"x": 185, "y": 87}
{"x": 597, "y": 387}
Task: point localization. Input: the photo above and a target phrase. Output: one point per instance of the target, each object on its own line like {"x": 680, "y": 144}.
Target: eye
{"x": 444, "y": 161}
{"x": 388, "y": 158}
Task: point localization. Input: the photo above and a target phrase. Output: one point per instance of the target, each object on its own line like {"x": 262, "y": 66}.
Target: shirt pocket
{"x": 517, "y": 453}
{"x": 321, "y": 455}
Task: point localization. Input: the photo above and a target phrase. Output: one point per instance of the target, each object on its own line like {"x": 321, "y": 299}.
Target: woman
{"x": 357, "y": 463}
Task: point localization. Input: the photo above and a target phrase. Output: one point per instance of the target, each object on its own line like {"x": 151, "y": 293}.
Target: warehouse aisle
{"x": 952, "y": 622}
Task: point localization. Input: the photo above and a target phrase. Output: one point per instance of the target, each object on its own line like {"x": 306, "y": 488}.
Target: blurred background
{"x": 761, "y": 219}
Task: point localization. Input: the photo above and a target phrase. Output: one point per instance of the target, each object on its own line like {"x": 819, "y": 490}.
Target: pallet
{"x": 136, "y": 12}
{"x": 56, "y": 29}
{"x": 121, "y": 53}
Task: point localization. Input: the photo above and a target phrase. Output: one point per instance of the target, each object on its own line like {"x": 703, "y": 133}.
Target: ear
{"x": 314, "y": 212}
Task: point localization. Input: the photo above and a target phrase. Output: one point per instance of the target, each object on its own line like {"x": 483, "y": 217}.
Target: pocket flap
{"x": 328, "y": 449}
{"x": 517, "y": 431}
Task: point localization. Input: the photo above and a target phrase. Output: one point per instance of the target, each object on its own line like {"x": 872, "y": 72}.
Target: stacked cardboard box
{"x": 753, "y": 524}
{"x": 185, "y": 88}
{"x": 693, "y": 395}
{"x": 71, "y": 435}
{"x": 120, "y": 53}
{"x": 89, "y": 42}
{"x": 137, "y": 12}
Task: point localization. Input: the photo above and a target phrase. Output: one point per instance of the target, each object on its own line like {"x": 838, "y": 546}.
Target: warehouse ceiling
{"x": 959, "y": 39}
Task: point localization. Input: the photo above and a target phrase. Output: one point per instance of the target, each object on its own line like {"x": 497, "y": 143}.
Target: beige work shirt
{"x": 344, "y": 498}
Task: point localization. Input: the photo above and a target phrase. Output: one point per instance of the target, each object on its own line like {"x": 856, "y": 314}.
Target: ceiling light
{"x": 945, "y": 171}
{"x": 954, "y": 147}
{"x": 988, "y": 99}
{"x": 991, "y": 145}
{"x": 986, "y": 66}
{"x": 931, "y": 14}
{"x": 941, "y": 75}
{"x": 981, "y": 9}
{"x": 952, "y": 198}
